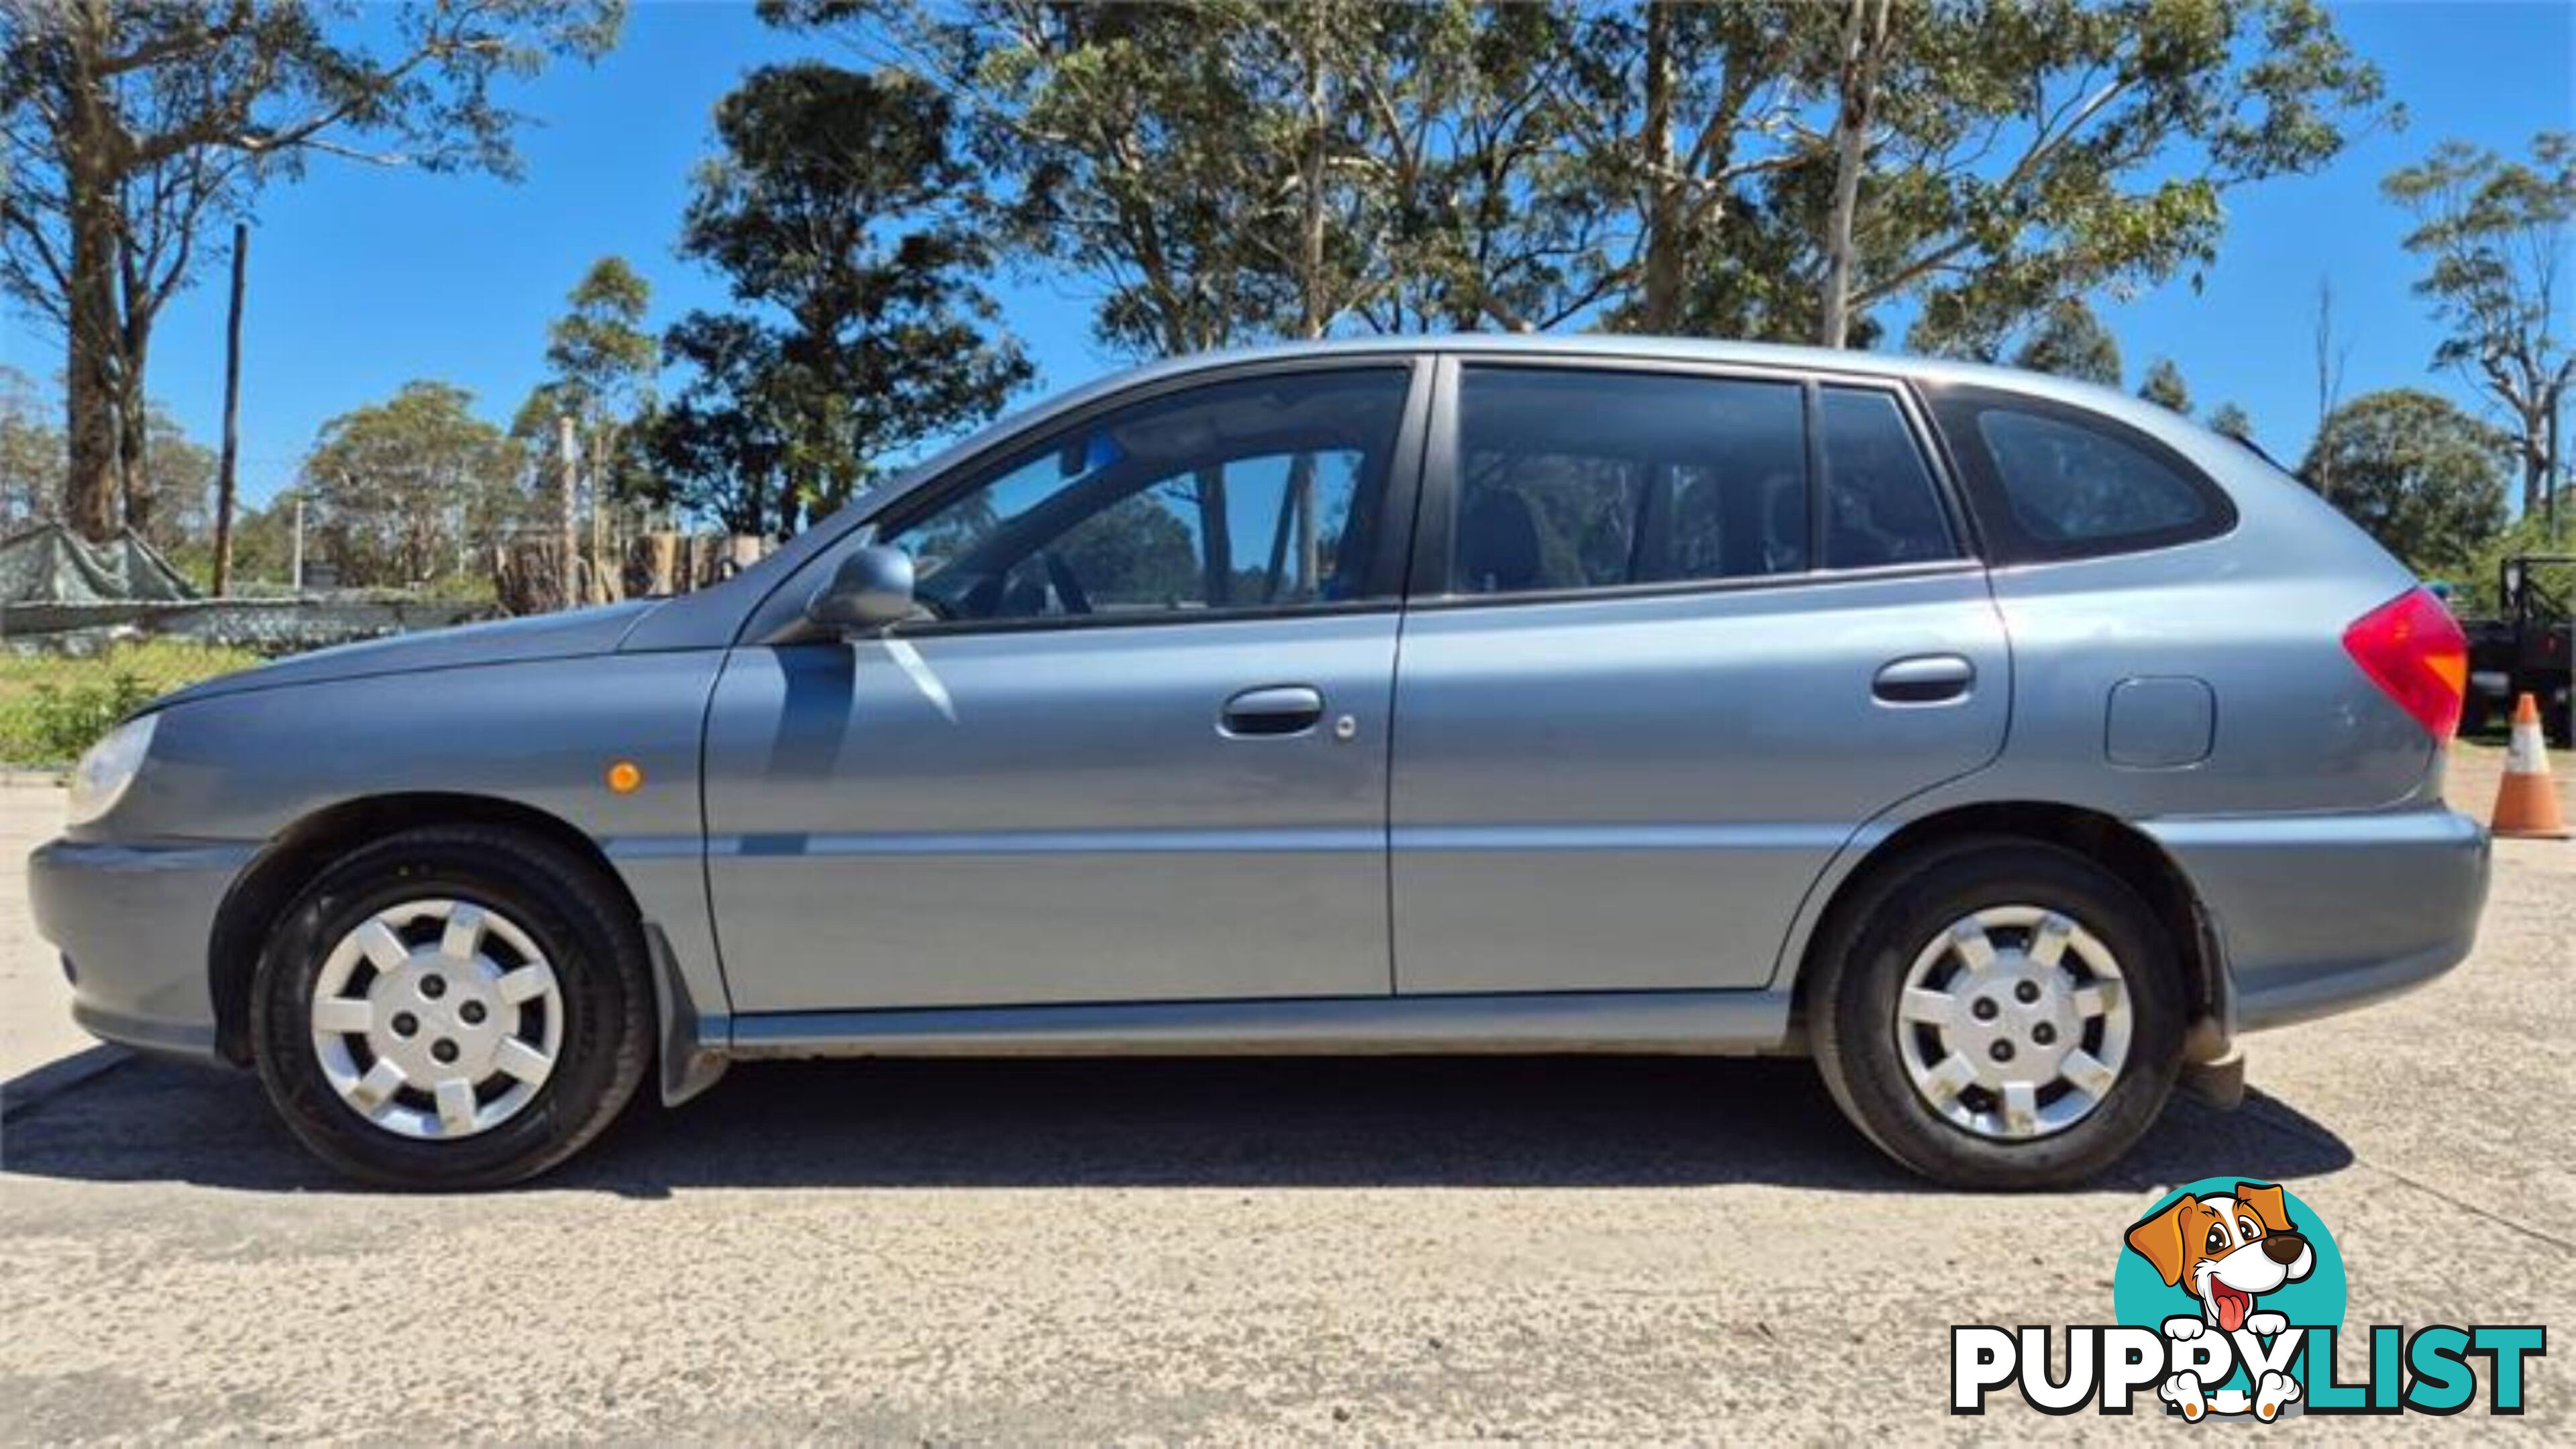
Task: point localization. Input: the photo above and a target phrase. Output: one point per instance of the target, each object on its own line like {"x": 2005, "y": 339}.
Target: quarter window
{"x": 1262, "y": 493}
{"x": 2070, "y": 484}
{"x": 1596, "y": 479}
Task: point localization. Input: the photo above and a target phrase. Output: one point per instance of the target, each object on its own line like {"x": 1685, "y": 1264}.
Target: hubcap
{"x": 2014, "y": 1023}
{"x": 437, "y": 1019}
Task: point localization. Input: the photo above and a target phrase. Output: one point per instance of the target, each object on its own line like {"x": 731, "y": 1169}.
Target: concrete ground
{"x": 1233, "y": 1251}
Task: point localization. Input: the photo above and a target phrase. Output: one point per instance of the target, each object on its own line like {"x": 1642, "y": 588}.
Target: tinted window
{"x": 1262, "y": 493}
{"x": 1881, "y": 506}
{"x": 2067, "y": 484}
{"x": 1572, "y": 480}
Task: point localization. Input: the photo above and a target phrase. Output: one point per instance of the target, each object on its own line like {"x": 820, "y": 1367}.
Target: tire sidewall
{"x": 533, "y": 890}
{"x": 1857, "y": 1008}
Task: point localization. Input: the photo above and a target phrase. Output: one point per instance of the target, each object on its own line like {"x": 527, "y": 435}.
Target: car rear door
{"x": 1676, "y": 636}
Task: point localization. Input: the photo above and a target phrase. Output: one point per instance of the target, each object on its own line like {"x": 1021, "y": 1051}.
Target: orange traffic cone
{"x": 2527, "y": 805}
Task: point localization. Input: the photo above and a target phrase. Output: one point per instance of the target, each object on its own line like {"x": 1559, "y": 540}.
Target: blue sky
{"x": 362, "y": 279}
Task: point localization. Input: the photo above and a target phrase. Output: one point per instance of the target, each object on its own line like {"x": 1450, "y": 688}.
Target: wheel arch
{"x": 292, "y": 858}
{"x": 2121, "y": 847}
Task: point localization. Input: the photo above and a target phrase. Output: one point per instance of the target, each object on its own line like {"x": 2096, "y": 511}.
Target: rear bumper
{"x": 133, "y": 923}
{"x": 2323, "y": 913}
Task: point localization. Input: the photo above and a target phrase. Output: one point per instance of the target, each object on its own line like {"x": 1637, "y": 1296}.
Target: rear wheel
{"x": 452, "y": 1007}
{"x": 1999, "y": 1013}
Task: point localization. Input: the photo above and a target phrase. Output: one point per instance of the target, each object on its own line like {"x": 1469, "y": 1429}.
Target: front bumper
{"x": 2323, "y": 913}
{"x": 133, "y": 923}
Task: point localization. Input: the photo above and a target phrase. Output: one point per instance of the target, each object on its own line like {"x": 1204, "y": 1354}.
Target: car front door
{"x": 1136, "y": 748}
{"x": 1679, "y": 637}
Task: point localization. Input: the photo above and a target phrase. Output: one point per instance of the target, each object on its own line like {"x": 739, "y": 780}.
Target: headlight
{"x": 99, "y": 780}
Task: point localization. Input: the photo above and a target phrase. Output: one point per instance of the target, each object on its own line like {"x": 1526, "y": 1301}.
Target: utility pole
{"x": 295, "y": 568}
{"x": 228, "y": 472}
{"x": 566, "y": 450}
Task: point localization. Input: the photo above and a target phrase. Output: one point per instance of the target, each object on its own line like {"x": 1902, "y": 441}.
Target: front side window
{"x": 1253, "y": 494}
{"x": 1598, "y": 479}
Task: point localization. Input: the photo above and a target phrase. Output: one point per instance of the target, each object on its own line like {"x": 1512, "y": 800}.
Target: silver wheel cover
{"x": 2014, "y": 1023}
{"x": 437, "y": 1019}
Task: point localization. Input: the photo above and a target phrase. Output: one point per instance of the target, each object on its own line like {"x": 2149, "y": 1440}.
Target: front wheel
{"x": 453, "y": 1007}
{"x": 1999, "y": 1013}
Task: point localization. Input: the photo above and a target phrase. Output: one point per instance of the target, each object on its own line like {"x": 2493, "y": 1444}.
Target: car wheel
{"x": 453, "y": 1007}
{"x": 1999, "y": 1013}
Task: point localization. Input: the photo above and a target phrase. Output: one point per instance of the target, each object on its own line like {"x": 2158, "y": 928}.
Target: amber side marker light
{"x": 625, "y": 777}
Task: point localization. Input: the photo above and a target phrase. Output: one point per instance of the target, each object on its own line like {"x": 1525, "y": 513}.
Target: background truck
{"x": 2525, "y": 647}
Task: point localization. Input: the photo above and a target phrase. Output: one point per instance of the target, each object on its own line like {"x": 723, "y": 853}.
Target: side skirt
{"x": 1701, "y": 1023}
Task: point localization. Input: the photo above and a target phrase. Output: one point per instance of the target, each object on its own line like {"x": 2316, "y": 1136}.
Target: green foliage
{"x": 2036, "y": 149}
{"x": 62, "y": 722}
{"x": 129, "y": 127}
{"x": 2423, "y": 477}
{"x": 838, "y": 212}
{"x": 2474, "y": 586}
{"x": 602, "y": 362}
{"x": 2493, "y": 236}
{"x": 2231, "y": 420}
{"x": 399, "y": 490}
{"x": 1231, "y": 171}
{"x": 52, "y": 707}
{"x": 31, "y": 452}
{"x": 2071, "y": 342}
{"x": 2165, "y": 388}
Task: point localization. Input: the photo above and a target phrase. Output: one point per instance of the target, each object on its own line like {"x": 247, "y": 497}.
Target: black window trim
{"x": 1955, "y": 409}
{"x": 1436, "y": 504}
{"x": 779, "y": 618}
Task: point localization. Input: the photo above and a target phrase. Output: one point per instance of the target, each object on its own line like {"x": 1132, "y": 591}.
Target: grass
{"x": 53, "y": 706}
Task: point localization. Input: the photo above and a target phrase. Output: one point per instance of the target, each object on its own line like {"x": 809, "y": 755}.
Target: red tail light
{"x": 2413, "y": 649}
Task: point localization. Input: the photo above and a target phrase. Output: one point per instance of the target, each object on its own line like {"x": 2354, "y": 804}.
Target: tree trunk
{"x": 90, "y": 382}
{"x": 2549, "y": 481}
{"x": 1864, "y": 40}
{"x": 1312, "y": 313}
{"x": 134, "y": 430}
{"x": 1666, "y": 247}
{"x": 568, "y": 539}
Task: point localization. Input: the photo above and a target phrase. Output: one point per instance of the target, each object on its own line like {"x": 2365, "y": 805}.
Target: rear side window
{"x": 1881, "y": 506}
{"x": 2053, "y": 481}
{"x": 1599, "y": 479}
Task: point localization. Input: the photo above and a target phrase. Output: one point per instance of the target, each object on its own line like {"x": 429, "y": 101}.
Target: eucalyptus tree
{"x": 2423, "y": 477}
{"x": 840, "y": 214}
{"x": 2493, "y": 234}
{"x": 2022, "y": 151}
{"x": 2163, "y": 386}
{"x": 130, "y": 124}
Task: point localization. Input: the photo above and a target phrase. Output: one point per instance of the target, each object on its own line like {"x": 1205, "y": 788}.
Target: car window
{"x": 1595, "y": 479}
{"x": 1259, "y": 493}
{"x": 1881, "y": 506}
{"x": 2068, "y": 484}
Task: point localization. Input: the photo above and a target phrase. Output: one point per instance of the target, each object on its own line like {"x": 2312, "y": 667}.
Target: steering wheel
{"x": 1068, "y": 589}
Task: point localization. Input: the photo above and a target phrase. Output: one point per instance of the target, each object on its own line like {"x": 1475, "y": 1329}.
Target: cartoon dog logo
{"x": 2226, "y": 1251}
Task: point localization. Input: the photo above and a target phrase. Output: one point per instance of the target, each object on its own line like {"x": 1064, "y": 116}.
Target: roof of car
{"x": 1668, "y": 349}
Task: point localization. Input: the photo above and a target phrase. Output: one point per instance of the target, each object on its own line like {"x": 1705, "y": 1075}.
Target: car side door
{"x": 1676, "y": 637}
{"x": 1135, "y": 749}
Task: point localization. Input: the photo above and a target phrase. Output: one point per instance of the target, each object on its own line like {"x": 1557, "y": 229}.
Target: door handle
{"x": 1283, "y": 709}
{"x": 1924, "y": 679}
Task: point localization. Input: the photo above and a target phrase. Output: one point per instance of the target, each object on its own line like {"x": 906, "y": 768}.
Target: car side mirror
{"x": 869, "y": 593}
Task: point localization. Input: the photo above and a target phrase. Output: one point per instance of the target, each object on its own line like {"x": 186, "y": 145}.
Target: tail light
{"x": 2414, "y": 651}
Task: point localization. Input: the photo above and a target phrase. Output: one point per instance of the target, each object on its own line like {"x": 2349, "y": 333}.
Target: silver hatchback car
{"x": 2008, "y": 745}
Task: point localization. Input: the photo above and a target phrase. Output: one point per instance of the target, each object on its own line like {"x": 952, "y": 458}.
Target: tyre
{"x": 1999, "y": 1013}
{"x": 453, "y": 1007}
